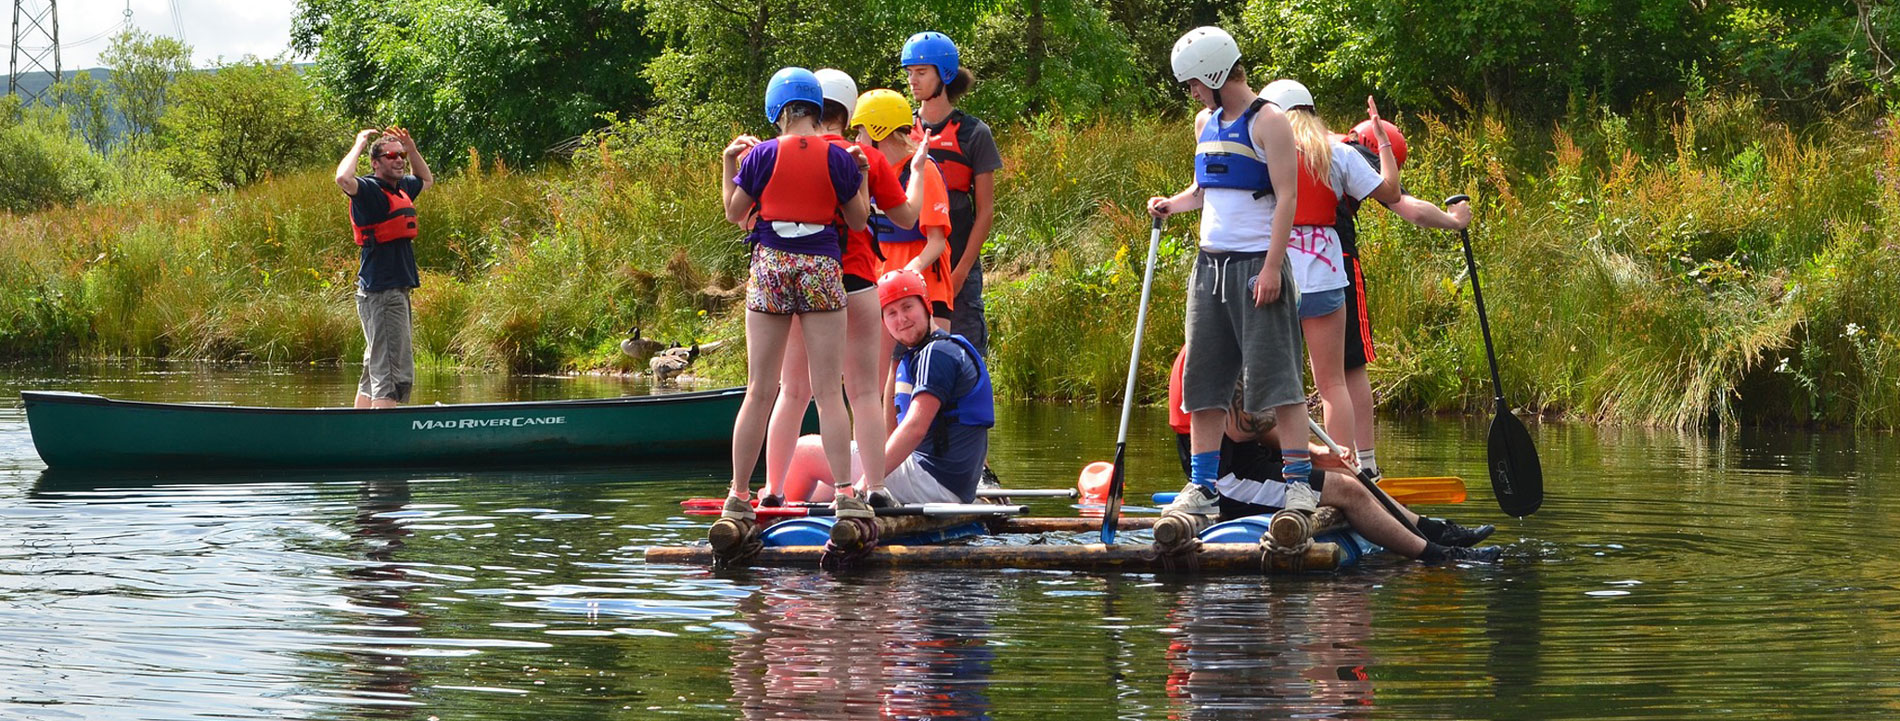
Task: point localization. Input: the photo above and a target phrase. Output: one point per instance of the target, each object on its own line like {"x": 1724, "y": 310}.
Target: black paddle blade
{"x": 1516, "y": 476}
{"x": 1112, "y": 510}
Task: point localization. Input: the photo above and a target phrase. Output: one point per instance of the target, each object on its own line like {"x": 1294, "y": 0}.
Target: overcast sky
{"x": 229, "y": 29}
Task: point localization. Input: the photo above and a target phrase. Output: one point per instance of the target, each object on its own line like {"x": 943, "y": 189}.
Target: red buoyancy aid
{"x": 861, "y": 254}
{"x": 1318, "y": 204}
{"x": 397, "y": 224}
{"x": 958, "y": 175}
{"x": 800, "y": 189}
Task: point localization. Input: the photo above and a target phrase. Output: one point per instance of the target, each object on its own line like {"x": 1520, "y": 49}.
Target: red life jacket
{"x": 799, "y": 190}
{"x": 958, "y": 175}
{"x": 398, "y": 224}
{"x": 1318, "y": 204}
{"x": 861, "y": 254}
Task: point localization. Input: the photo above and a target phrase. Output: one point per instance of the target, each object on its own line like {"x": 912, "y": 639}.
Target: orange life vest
{"x": 1318, "y": 204}
{"x": 958, "y": 175}
{"x": 398, "y": 224}
{"x": 799, "y": 190}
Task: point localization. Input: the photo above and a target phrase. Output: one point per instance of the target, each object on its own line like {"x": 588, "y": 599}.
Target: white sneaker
{"x": 1195, "y": 499}
{"x": 1301, "y": 497}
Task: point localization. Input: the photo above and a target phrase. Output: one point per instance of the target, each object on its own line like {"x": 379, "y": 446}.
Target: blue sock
{"x": 1296, "y": 466}
{"x": 1202, "y": 468}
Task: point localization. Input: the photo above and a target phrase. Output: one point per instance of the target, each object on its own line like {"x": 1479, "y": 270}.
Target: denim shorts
{"x": 1318, "y": 303}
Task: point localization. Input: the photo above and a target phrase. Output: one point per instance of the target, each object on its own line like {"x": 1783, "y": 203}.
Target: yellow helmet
{"x": 881, "y": 111}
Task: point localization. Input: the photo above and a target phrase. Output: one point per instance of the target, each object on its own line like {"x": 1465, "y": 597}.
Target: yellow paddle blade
{"x": 1426, "y": 496}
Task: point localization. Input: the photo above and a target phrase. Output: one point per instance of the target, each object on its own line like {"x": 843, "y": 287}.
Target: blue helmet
{"x": 935, "y": 49}
{"x": 790, "y": 85}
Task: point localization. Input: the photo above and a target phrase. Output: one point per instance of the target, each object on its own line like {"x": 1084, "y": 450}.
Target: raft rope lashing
{"x": 838, "y": 557}
{"x": 1177, "y": 552}
{"x": 747, "y": 548}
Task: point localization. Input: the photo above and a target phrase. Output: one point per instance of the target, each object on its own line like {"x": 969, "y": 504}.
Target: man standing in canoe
{"x": 383, "y": 218}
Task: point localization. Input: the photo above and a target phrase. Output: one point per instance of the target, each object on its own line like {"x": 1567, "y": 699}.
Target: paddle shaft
{"x": 1365, "y": 479}
{"x": 1112, "y": 509}
{"x": 933, "y": 510}
{"x": 1477, "y": 295}
{"x": 980, "y": 493}
{"x": 1516, "y": 475}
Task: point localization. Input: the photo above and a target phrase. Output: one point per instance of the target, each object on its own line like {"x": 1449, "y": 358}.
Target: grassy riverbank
{"x": 1693, "y": 263}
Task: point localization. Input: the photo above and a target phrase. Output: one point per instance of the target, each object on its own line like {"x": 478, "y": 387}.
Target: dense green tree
{"x": 235, "y": 125}
{"x": 42, "y": 162}
{"x": 1067, "y": 57}
{"x": 88, "y": 103}
{"x": 144, "y": 66}
{"x": 510, "y": 77}
{"x": 1537, "y": 55}
{"x": 719, "y": 53}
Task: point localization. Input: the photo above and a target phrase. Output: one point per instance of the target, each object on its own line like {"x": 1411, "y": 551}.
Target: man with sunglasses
{"x": 383, "y": 218}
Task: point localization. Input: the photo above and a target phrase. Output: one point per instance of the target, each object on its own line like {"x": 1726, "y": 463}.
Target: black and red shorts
{"x": 1359, "y": 349}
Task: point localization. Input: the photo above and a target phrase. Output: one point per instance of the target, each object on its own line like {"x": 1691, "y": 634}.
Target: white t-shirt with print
{"x": 1314, "y": 250}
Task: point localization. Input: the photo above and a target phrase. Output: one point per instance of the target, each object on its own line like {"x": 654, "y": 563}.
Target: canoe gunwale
{"x": 70, "y": 398}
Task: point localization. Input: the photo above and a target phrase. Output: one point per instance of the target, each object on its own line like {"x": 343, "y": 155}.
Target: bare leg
{"x": 362, "y": 401}
{"x": 864, "y": 384}
{"x": 808, "y": 476}
{"x": 1205, "y": 429}
{"x": 1325, "y": 343}
{"x": 1359, "y": 386}
{"x": 765, "y": 352}
{"x": 788, "y": 414}
{"x": 824, "y": 346}
{"x": 1368, "y": 517}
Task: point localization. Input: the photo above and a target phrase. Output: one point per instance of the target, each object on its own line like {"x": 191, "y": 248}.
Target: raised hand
{"x": 1378, "y": 128}
{"x": 740, "y": 145}
{"x": 920, "y": 159}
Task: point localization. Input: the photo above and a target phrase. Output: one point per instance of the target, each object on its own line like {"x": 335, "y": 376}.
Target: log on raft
{"x": 1212, "y": 558}
{"x": 851, "y": 535}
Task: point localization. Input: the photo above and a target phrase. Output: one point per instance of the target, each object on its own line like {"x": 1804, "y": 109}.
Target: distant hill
{"x": 32, "y": 83}
{"x": 37, "y": 82}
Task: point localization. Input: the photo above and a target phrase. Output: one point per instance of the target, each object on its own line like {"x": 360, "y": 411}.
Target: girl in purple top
{"x": 796, "y": 231}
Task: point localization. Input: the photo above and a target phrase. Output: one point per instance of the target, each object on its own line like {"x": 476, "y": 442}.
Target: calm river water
{"x": 1668, "y": 576}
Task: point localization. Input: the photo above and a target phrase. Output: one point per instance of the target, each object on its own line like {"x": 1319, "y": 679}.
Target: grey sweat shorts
{"x": 389, "y": 364}
{"x": 1229, "y": 340}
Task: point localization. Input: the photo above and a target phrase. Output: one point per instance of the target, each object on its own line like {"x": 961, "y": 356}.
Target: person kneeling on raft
{"x": 1249, "y": 484}
{"x": 943, "y": 404}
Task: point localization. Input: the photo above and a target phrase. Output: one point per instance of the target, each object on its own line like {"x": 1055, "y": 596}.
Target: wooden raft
{"x": 1213, "y": 557}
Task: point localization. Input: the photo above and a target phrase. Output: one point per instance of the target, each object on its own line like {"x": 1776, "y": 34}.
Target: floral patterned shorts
{"x": 784, "y": 283}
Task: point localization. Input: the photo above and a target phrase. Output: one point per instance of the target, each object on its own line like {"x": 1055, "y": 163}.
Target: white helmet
{"x": 1288, "y": 94}
{"x": 1205, "y": 54}
{"x": 839, "y": 88}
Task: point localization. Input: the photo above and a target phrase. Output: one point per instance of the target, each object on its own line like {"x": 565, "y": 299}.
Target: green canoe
{"x": 78, "y": 430}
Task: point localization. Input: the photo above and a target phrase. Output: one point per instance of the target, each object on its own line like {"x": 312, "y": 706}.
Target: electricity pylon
{"x": 31, "y": 26}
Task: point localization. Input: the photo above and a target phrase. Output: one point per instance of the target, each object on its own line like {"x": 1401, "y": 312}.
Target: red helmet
{"x": 1363, "y": 133}
{"x": 898, "y": 285}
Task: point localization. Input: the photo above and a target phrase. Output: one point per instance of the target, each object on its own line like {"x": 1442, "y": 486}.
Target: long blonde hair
{"x": 1315, "y": 143}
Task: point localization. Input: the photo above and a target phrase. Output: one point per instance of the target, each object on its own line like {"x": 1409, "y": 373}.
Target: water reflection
{"x": 380, "y": 681}
{"x": 880, "y": 646}
{"x": 1244, "y": 651}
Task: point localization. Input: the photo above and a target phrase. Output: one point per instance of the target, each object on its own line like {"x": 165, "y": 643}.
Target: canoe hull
{"x": 74, "y": 430}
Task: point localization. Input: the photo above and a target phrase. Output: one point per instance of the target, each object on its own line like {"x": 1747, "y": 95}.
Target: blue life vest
{"x": 975, "y": 408}
{"x": 888, "y": 232}
{"x": 1225, "y": 156}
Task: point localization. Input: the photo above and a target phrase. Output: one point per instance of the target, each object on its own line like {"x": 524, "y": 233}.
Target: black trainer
{"x": 1445, "y": 531}
{"x": 881, "y": 498}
